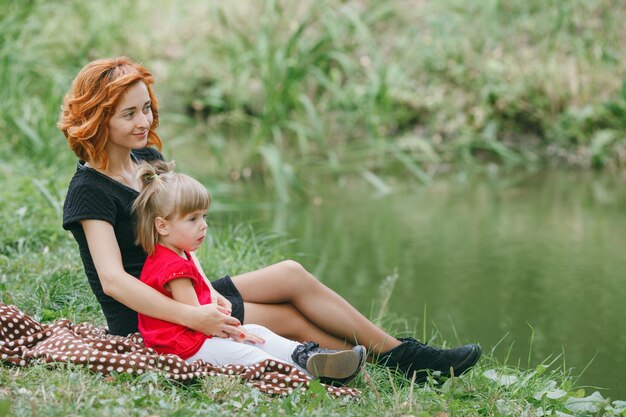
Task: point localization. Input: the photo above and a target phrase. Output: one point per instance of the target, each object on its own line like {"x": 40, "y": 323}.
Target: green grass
{"x": 42, "y": 274}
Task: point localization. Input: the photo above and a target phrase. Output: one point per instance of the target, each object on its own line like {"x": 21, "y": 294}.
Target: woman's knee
{"x": 291, "y": 266}
{"x": 294, "y": 271}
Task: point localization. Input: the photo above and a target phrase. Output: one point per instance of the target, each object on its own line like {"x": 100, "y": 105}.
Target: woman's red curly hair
{"x": 91, "y": 101}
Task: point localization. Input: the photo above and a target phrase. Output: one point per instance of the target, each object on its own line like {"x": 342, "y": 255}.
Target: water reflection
{"x": 544, "y": 255}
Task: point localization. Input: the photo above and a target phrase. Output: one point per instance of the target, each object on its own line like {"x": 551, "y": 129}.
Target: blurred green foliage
{"x": 280, "y": 90}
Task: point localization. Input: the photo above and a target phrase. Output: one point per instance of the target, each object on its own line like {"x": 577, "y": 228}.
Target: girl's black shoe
{"x": 412, "y": 356}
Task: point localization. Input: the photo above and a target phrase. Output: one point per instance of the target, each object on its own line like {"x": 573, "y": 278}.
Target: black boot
{"x": 415, "y": 357}
{"x": 337, "y": 367}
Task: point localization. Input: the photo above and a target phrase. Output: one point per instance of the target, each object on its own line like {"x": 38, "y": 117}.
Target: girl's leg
{"x": 338, "y": 365}
{"x": 289, "y": 283}
{"x": 275, "y": 345}
{"x": 221, "y": 352}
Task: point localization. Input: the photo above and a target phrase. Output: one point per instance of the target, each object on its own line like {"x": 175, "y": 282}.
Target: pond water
{"x": 530, "y": 268}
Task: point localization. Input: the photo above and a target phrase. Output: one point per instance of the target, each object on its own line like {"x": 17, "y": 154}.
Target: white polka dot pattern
{"x": 24, "y": 340}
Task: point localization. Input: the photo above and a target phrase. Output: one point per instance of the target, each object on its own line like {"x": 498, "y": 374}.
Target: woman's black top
{"x": 92, "y": 195}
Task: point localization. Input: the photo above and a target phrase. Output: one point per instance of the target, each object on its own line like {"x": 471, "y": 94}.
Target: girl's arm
{"x": 182, "y": 291}
{"x": 209, "y": 319}
{"x": 216, "y": 296}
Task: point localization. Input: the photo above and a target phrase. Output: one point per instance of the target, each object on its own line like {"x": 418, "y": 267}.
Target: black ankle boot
{"x": 336, "y": 367}
{"x": 412, "y": 356}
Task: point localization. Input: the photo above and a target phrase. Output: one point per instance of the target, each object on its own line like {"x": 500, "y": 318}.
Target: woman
{"x": 109, "y": 118}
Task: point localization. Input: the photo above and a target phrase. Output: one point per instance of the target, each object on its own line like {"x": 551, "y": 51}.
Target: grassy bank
{"x": 279, "y": 90}
{"x": 40, "y": 271}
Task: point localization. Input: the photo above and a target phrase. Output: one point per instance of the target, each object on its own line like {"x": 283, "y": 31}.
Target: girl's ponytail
{"x": 148, "y": 172}
{"x": 150, "y": 202}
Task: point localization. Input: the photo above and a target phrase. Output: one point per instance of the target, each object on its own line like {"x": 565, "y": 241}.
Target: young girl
{"x": 109, "y": 117}
{"x": 170, "y": 212}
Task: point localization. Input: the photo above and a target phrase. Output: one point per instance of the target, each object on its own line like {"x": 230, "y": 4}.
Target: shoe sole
{"x": 337, "y": 365}
{"x": 469, "y": 361}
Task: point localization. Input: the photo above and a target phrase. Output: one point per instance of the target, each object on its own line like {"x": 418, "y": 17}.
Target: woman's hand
{"x": 224, "y": 303}
{"x": 213, "y": 320}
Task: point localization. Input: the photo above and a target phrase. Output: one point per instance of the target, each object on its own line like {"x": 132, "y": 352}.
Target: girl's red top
{"x": 165, "y": 337}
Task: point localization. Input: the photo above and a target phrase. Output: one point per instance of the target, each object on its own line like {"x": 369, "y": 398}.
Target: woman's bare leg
{"x": 286, "y": 321}
{"x": 289, "y": 283}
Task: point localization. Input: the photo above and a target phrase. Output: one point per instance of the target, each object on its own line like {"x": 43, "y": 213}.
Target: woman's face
{"x": 129, "y": 125}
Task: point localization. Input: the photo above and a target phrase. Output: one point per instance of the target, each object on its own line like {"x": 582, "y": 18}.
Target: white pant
{"x": 218, "y": 351}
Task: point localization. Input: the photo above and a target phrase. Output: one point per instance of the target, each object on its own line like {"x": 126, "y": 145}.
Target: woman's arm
{"x": 123, "y": 287}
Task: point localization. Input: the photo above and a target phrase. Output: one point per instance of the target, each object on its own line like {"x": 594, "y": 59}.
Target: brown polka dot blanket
{"x": 23, "y": 340}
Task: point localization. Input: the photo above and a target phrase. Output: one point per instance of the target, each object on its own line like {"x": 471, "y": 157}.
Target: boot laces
{"x": 423, "y": 345}
{"x": 302, "y": 353}
{"x": 308, "y": 347}
{"x": 305, "y": 349}
{"x": 412, "y": 340}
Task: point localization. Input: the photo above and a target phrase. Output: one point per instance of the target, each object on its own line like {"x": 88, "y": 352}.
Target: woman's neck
{"x": 120, "y": 160}
{"x": 121, "y": 168}
{"x": 126, "y": 167}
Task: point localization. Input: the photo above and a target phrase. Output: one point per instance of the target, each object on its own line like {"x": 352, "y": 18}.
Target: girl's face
{"x": 129, "y": 125}
{"x": 183, "y": 233}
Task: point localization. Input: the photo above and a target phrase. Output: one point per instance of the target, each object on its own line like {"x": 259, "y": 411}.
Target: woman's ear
{"x": 162, "y": 226}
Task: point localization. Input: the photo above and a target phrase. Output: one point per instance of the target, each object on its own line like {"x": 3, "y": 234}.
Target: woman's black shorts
{"x": 226, "y": 287}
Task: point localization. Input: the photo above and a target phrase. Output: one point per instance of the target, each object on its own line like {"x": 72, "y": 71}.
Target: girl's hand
{"x": 213, "y": 320}
{"x": 244, "y": 337}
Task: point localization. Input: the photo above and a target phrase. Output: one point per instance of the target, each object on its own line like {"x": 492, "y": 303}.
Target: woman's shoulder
{"x": 83, "y": 177}
{"x": 87, "y": 179}
{"x": 91, "y": 195}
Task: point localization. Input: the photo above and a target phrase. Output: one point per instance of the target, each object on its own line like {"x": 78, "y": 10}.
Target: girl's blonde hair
{"x": 91, "y": 101}
{"x": 165, "y": 194}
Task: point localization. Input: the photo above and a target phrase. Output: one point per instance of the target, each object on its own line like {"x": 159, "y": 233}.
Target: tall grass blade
{"x": 532, "y": 340}
{"x": 411, "y": 166}
{"x": 278, "y": 171}
{"x": 581, "y": 373}
{"x": 386, "y": 290}
{"x": 56, "y": 203}
{"x": 381, "y": 186}
{"x": 36, "y": 142}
